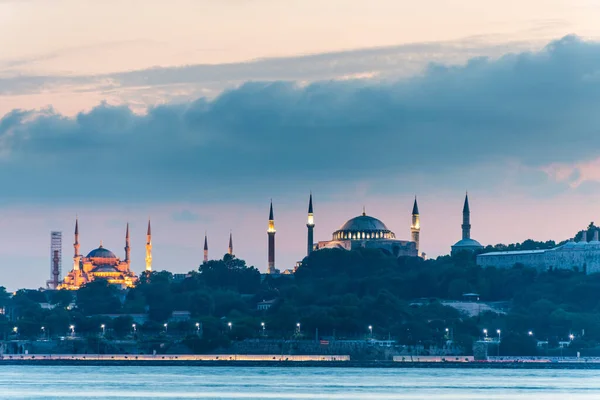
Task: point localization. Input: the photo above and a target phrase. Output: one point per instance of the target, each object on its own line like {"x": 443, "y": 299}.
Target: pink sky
{"x": 92, "y": 40}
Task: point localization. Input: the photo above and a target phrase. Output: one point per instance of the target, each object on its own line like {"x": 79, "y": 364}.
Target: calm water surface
{"x": 57, "y": 382}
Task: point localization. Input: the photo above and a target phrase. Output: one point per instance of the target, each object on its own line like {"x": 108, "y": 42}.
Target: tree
{"x": 98, "y": 297}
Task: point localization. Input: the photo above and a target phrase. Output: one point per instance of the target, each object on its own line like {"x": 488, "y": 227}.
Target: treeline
{"x": 334, "y": 294}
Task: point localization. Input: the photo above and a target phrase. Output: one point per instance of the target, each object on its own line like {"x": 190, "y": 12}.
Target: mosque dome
{"x": 363, "y": 227}
{"x": 105, "y": 268}
{"x": 101, "y": 252}
{"x": 467, "y": 244}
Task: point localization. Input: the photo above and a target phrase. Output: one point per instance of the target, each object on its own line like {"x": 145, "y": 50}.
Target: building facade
{"x": 582, "y": 256}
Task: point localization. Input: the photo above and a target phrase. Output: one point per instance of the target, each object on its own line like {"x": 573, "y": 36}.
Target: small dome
{"x": 101, "y": 252}
{"x": 467, "y": 243}
{"x": 105, "y": 268}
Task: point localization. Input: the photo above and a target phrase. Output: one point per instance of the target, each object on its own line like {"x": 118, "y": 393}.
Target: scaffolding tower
{"x": 55, "y": 259}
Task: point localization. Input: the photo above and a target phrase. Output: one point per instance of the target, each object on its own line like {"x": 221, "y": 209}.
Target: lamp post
{"x": 298, "y": 327}
{"x": 166, "y": 327}
{"x": 262, "y": 324}
{"x": 485, "y": 333}
{"x": 498, "y": 331}
{"x": 530, "y": 333}
{"x": 72, "y": 328}
{"x": 230, "y": 325}
{"x": 43, "y": 332}
{"x": 371, "y": 331}
{"x": 103, "y": 327}
{"x": 15, "y": 330}
{"x": 198, "y": 328}
{"x": 134, "y": 327}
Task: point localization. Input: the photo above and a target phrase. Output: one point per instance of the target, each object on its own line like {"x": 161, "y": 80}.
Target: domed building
{"x": 369, "y": 232}
{"x": 102, "y": 263}
{"x": 466, "y": 243}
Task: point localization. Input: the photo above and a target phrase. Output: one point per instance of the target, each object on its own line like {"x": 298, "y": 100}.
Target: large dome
{"x": 363, "y": 223}
{"x": 101, "y": 252}
{"x": 363, "y": 227}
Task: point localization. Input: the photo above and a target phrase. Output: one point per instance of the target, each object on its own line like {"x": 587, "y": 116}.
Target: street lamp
{"x": 72, "y": 328}
{"x": 15, "y": 330}
{"x": 571, "y": 336}
{"x": 103, "y": 327}
{"x": 498, "y": 332}
{"x": 262, "y": 324}
{"x": 230, "y": 325}
{"x": 198, "y": 327}
{"x": 298, "y": 326}
{"x": 166, "y": 327}
{"x": 43, "y": 332}
{"x": 134, "y": 328}
{"x": 530, "y": 333}
{"x": 485, "y": 333}
{"x": 371, "y": 331}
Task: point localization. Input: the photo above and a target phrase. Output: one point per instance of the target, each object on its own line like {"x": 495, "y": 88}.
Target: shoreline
{"x": 302, "y": 364}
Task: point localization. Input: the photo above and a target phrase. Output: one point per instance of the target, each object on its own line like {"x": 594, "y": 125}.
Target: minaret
{"x": 149, "y": 249}
{"x": 230, "y": 248}
{"x": 76, "y": 256}
{"x": 205, "y": 248}
{"x": 415, "y": 227}
{"x": 271, "y": 233}
{"x": 127, "y": 246}
{"x": 466, "y": 225}
{"x": 310, "y": 224}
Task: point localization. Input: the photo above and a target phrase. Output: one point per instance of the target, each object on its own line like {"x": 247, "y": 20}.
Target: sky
{"x": 196, "y": 113}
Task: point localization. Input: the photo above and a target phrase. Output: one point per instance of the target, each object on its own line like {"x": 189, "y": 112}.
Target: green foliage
{"x": 335, "y": 293}
{"x": 230, "y": 273}
{"x": 98, "y": 297}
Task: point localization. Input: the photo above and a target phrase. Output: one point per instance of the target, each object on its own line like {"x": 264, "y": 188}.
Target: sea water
{"x": 174, "y": 382}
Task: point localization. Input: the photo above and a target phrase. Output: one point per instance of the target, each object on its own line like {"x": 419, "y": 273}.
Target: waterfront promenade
{"x": 262, "y": 360}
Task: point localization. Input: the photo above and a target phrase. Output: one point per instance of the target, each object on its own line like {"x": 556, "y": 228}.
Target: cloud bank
{"x": 531, "y": 108}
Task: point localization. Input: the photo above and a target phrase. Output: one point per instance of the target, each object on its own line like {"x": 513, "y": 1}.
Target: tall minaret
{"x": 76, "y": 256}
{"x": 230, "y": 248}
{"x": 310, "y": 224}
{"x": 205, "y": 248}
{"x": 271, "y": 233}
{"x": 466, "y": 225}
{"x": 415, "y": 227}
{"x": 127, "y": 246}
{"x": 149, "y": 249}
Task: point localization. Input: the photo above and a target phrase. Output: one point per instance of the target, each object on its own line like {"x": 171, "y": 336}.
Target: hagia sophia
{"x": 362, "y": 231}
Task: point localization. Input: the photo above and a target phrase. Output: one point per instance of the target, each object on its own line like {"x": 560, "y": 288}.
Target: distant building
{"x": 265, "y": 305}
{"x": 466, "y": 243}
{"x": 583, "y": 256}
{"x": 103, "y": 264}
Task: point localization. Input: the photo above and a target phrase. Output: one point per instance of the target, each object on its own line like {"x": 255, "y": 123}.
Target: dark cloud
{"x": 530, "y": 108}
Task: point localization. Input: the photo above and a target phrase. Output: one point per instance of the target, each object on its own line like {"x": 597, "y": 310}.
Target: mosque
{"x": 466, "y": 243}
{"x": 102, "y": 263}
{"x": 362, "y": 231}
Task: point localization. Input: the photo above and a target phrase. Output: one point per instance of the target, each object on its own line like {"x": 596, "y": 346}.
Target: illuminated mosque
{"x": 102, "y": 263}
{"x": 362, "y": 231}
